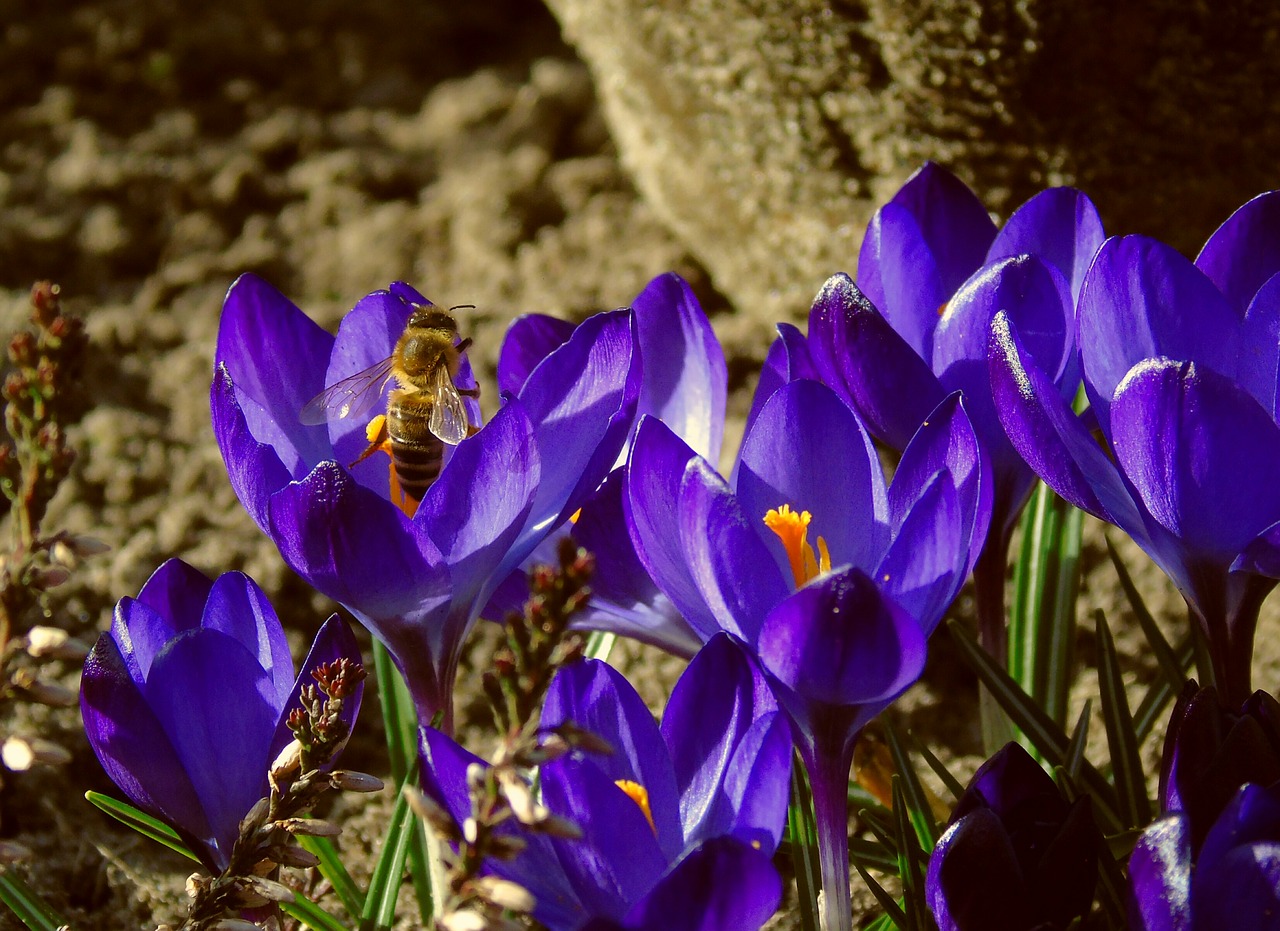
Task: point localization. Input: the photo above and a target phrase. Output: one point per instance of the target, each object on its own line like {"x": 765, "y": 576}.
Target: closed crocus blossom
{"x": 1017, "y": 855}
{"x": 684, "y": 386}
{"x": 932, "y": 272}
{"x": 186, "y": 699}
{"x": 1232, "y": 884}
{"x": 831, "y": 578}
{"x": 417, "y": 577}
{"x": 678, "y": 824}
{"x": 1181, "y": 364}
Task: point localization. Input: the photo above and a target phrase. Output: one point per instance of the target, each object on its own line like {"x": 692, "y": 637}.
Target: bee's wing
{"x": 448, "y": 420}
{"x": 354, "y": 395}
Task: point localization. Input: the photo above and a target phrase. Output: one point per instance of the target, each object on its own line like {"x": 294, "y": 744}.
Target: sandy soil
{"x": 149, "y": 154}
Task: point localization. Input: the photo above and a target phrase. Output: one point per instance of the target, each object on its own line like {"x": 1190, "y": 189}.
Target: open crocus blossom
{"x": 1181, "y": 365}
{"x": 1232, "y": 884}
{"x": 932, "y": 272}
{"x": 186, "y": 699}
{"x": 416, "y": 577}
{"x": 684, "y": 386}
{"x": 678, "y": 824}
{"x": 1017, "y": 855}
{"x": 831, "y": 578}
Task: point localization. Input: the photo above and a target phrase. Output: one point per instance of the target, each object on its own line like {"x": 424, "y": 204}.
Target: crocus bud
{"x": 1210, "y": 751}
{"x": 1017, "y": 855}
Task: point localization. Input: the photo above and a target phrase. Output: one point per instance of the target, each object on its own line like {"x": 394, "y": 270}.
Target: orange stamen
{"x": 792, "y": 528}
{"x": 640, "y": 795}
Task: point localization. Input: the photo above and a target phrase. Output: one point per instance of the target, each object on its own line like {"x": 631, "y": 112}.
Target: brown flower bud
{"x": 347, "y": 781}
{"x": 314, "y": 827}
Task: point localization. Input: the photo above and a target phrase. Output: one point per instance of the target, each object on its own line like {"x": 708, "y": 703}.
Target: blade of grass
{"x": 872, "y": 855}
{"x": 909, "y": 858}
{"x": 951, "y": 782}
{"x": 802, "y": 832}
{"x": 1166, "y": 658}
{"x": 600, "y": 645}
{"x": 891, "y": 909}
{"x": 1047, "y": 737}
{"x": 311, "y": 915}
{"x": 1126, "y": 760}
{"x": 1079, "y": 738}
{"x": 141, "y": 822}
{"x": 332, "y": 869}
{"x": 30, "y": 909}
{"x": 1151, "y": 709}
{"x": 379, "y": 911}
{"x": 918, "y": 810}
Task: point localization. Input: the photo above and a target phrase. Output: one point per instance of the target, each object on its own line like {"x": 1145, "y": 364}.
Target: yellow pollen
{"x": 640, "y": 795}
{"x": 792, "y": 528}
{"x": 380, "y": 442}
{"x": 573, "y": 518}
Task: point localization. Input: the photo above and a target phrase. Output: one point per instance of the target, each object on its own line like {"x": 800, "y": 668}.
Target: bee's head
{"x": 431, "y": 317}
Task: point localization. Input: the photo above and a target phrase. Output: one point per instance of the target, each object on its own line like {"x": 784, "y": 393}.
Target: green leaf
{"x": 873, "y": 855}
{"x": 951, "y": 782}
{"x": 1170, "y": 666}
{"x": 311, "y": 915}
{"x": 30, "y": 909}
{"x": 802, "y": 832}
{"x": 887, "y": 902}
{"x": 379, "y": 912}
{"x": 1151, "y": 709}
{"x": 141, "y": 822}
{"x": 919, "y": 811}
{"x": 332, "y": 869}
{"x": 1079, "y": 738}
{"x": 1044, "y": 734}
{"x": 1126, "y": 760}
{"x": 600, "y": 644}
{"x": 910, "y": 859}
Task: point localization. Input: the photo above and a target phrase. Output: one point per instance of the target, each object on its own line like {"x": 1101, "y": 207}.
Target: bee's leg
{"x": 378, "y": 438}
{"x": 469, "y": 392}
{"x": 464, "y": 344}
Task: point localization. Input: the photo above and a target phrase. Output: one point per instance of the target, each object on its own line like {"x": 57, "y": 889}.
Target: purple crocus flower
{"x": 1180, "y": 364}
{"x": 1210, "y": 751}
{"x": 831, "y": 578}
{"x": 679, "y": 823}
{"x": 1016, "y": 855}
{"x": 684, "y": 386}
{"x": 417, "y": 580}
{"x": 932, "y": 272}
{"x": 186, "y": 699}
{"x": 1233, "y": 884}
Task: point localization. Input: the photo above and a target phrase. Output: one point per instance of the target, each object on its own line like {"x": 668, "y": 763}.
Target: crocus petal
{"x": 787, "y": 360}
{"x": 238, "y": 608}
{"x": 1143, "y": 299}
{"x": 1060, "y": 226}
{"x": 946, "y": 441}
{"x": 354, "y": 546}
{"x": 870, "y": 365}
{"x": 925, "y": 565}
{"x": 623, "y": 597}
{"x": 1245, "y": 250}
{"x": 1047, "y": 434}
{"x": 141, "y": 632}
{"x": 478, "y": 507}
{"x": 1201, "y": 452}
{"x": 254, "y": 468}
{"x": 581, "y": 400}
{"x": 723, "y": 885}
{"x": 204, "y": 689}
{"x": 807, "y": 450}
{"x": 1160, "y": 874}
{"x": 1237, "y": 873}
{"x": 333, "y": 642}
{"x": 618, "y": 859}
{"x": 1262, "y": 555}
{"x": 530, "y": 339}
{"x": 130, "y": 742}
{"x": 711, "y": 714}
{"x": 444, "y": 772}
{"x": 838, "y": 641}
{"x": 685, "y": 377}
{"x": 177, "y": 592}
{"x": 652, "y": 495}
{"x": 974, "y": 880}
{"x": 1038, "y": 302}
{"x": 594, "y": 696}
{"x": 1259, "y": 371}
{"x": 276, "y": 356}
{"x": 729, "y": 562}
{"x": 366, "y": 336}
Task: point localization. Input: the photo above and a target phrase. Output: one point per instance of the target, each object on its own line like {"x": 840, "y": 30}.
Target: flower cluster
{"x": 802, "y": 585}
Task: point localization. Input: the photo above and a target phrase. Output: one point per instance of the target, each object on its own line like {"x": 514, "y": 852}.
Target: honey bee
{"x": 424, "y": 411}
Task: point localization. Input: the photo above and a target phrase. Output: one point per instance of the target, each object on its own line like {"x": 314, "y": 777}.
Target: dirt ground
{"x": 149, "y": 153}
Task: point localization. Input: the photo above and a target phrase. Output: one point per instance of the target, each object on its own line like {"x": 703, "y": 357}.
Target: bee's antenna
{"x": 462, "y": 307}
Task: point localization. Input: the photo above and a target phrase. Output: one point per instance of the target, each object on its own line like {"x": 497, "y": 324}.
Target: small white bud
{"x": 20, "y": 754}
{"x": 463, "y": 921}
{"x": 286, "y": 767}
{"x": 314, "y": 827}
{"x": 506, "y": 894}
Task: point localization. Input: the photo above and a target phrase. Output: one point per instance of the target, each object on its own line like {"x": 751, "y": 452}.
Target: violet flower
{"x": 831, "y": 579}
{"x": 1180, "y": 364}
{"x": 679, "y": 824}
{"x": 1210, "y": 751}
{"x": 186, "y": 699}
{"x": 932, "y": 272}
{"x": 1233, "y": 884}
{"x": 416, "y": 580}
{"x": 1016, "y": 855}
{"x": 684, "y": 386}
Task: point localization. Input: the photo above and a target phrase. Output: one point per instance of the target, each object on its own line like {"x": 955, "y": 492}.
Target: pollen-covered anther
{"x": 792, "y": 528}
{"x": 640, "y": 795}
